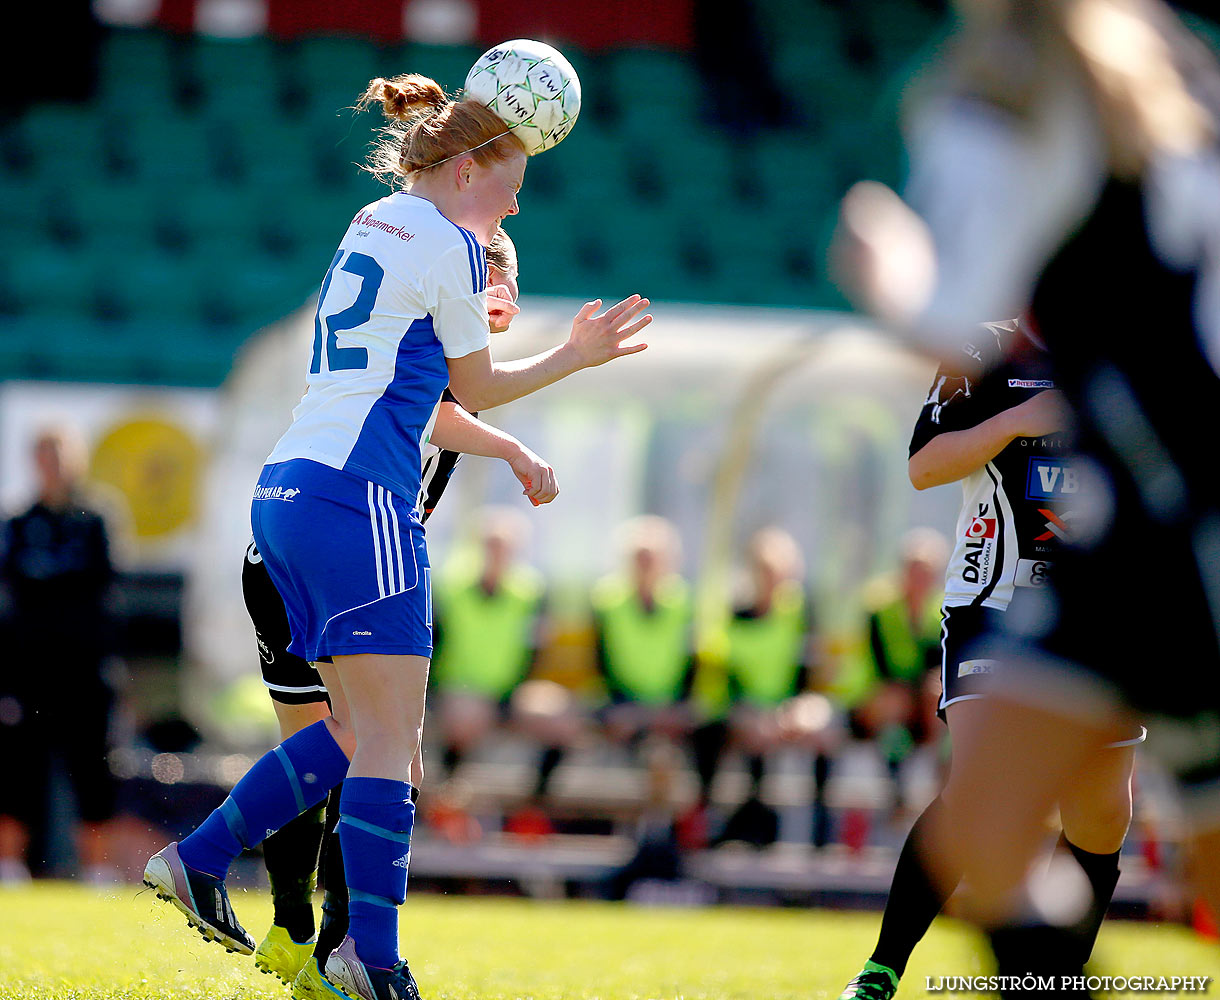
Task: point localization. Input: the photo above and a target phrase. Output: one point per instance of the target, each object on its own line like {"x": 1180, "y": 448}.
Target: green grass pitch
{"x": 67, "y": 942}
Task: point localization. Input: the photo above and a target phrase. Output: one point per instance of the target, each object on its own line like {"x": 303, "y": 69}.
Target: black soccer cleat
{"x": 202, "y": 898}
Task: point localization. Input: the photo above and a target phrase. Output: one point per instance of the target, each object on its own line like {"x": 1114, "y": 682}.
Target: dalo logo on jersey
{"x": 980, "y": 537}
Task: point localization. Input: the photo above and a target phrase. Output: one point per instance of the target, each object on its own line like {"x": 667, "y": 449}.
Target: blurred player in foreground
{"x": 994, "y": 420}
{"x": 334, "y": 514}
{"x": 1064, "y": 161}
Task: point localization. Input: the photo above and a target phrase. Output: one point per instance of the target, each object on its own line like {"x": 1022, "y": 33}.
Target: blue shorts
{"x": 348, "y": 558}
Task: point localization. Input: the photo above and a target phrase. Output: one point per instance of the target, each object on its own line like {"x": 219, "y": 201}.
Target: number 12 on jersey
{"x": 357, "y": 314}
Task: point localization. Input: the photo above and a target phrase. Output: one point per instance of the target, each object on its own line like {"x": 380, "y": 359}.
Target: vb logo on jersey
{"x": 1050, "y": 479}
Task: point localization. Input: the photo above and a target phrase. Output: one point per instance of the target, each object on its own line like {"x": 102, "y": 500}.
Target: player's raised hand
{"x": 500, "y": 308}
{"x": 882, "y": 254}
{"x": 598, "y": 338}
{"x": 536, "y": 476}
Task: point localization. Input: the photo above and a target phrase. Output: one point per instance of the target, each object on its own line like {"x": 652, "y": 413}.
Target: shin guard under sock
{"x": 282, "y": 784}
{"x": 376, "y": 817}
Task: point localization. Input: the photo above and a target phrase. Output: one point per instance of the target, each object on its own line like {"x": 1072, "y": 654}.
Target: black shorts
{"x": 975, "y": 641}
{"x": 289, "y": 679}
{"x": 1128, "y": 623}
{"x": 970, "y": 645}
{"x": 1134, "y": 617}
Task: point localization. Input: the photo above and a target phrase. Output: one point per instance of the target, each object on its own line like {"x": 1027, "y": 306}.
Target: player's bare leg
{"x": 1096, "y": 813}
{"x": 1203, "y": 853}
{"x": 998, "y": 827}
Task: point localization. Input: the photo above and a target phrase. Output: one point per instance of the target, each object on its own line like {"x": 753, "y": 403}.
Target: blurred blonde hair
{"x": 777, "y": 550}
{"x": 503, "y": 523}
{"x": 926, "y": 546}
{"x": 652, "y": 533}
{"x": 1135, "y": 60}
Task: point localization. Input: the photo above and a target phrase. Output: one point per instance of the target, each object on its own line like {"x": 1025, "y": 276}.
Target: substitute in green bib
{"x": 771, "y": 665}
{"x": 489, "y": 620}
{"x": 642, "y": 627}
{"x": 903, "y": 625}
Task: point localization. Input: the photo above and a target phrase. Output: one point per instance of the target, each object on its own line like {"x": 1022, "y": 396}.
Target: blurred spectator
{"x": 488, "y": 628}
{"x": 642, "y": 623}
{"x": 769, "y": 661}
{"x": 56, "y": 708}
{"x": 658, "y": 848}
{"x": 747, "y": 94}
{"x": 904, "y": 650}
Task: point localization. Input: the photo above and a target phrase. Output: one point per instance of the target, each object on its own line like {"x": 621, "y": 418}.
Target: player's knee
{"x": 397, "y": 745}
{"x": 343, "y": 734}
{"x": 1098, "y": 823}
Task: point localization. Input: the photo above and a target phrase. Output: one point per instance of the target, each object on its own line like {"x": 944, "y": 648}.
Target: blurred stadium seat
{"x": 206, "y": 183}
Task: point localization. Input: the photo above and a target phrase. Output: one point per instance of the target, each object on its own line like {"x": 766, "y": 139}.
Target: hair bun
{"x": 404, "y": 97}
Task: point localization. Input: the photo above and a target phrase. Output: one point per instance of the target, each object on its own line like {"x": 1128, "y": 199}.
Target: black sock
{"x": 914, "y": 900}
{"x": 1102, "y": 872}
{"x": 757, "y": 765}
{"x": 334, "y": 903}
{"x": 291, "y": 856}
{"x": 1047, "y": 953}
{"x": 552, "y": 757}
{"x": 821, "y": 811}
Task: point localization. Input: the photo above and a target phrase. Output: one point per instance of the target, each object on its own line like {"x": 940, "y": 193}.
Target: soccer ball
{"x": 532, "y": 87}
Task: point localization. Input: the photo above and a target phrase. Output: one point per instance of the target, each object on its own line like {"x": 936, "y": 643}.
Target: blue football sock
{"x": 376, "y": 816}
{"x": 281, "y": 785}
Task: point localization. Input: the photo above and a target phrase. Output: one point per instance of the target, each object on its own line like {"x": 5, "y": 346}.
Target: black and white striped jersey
{"x": 1018, "y": 508}
{"x": 437, "y": 468}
